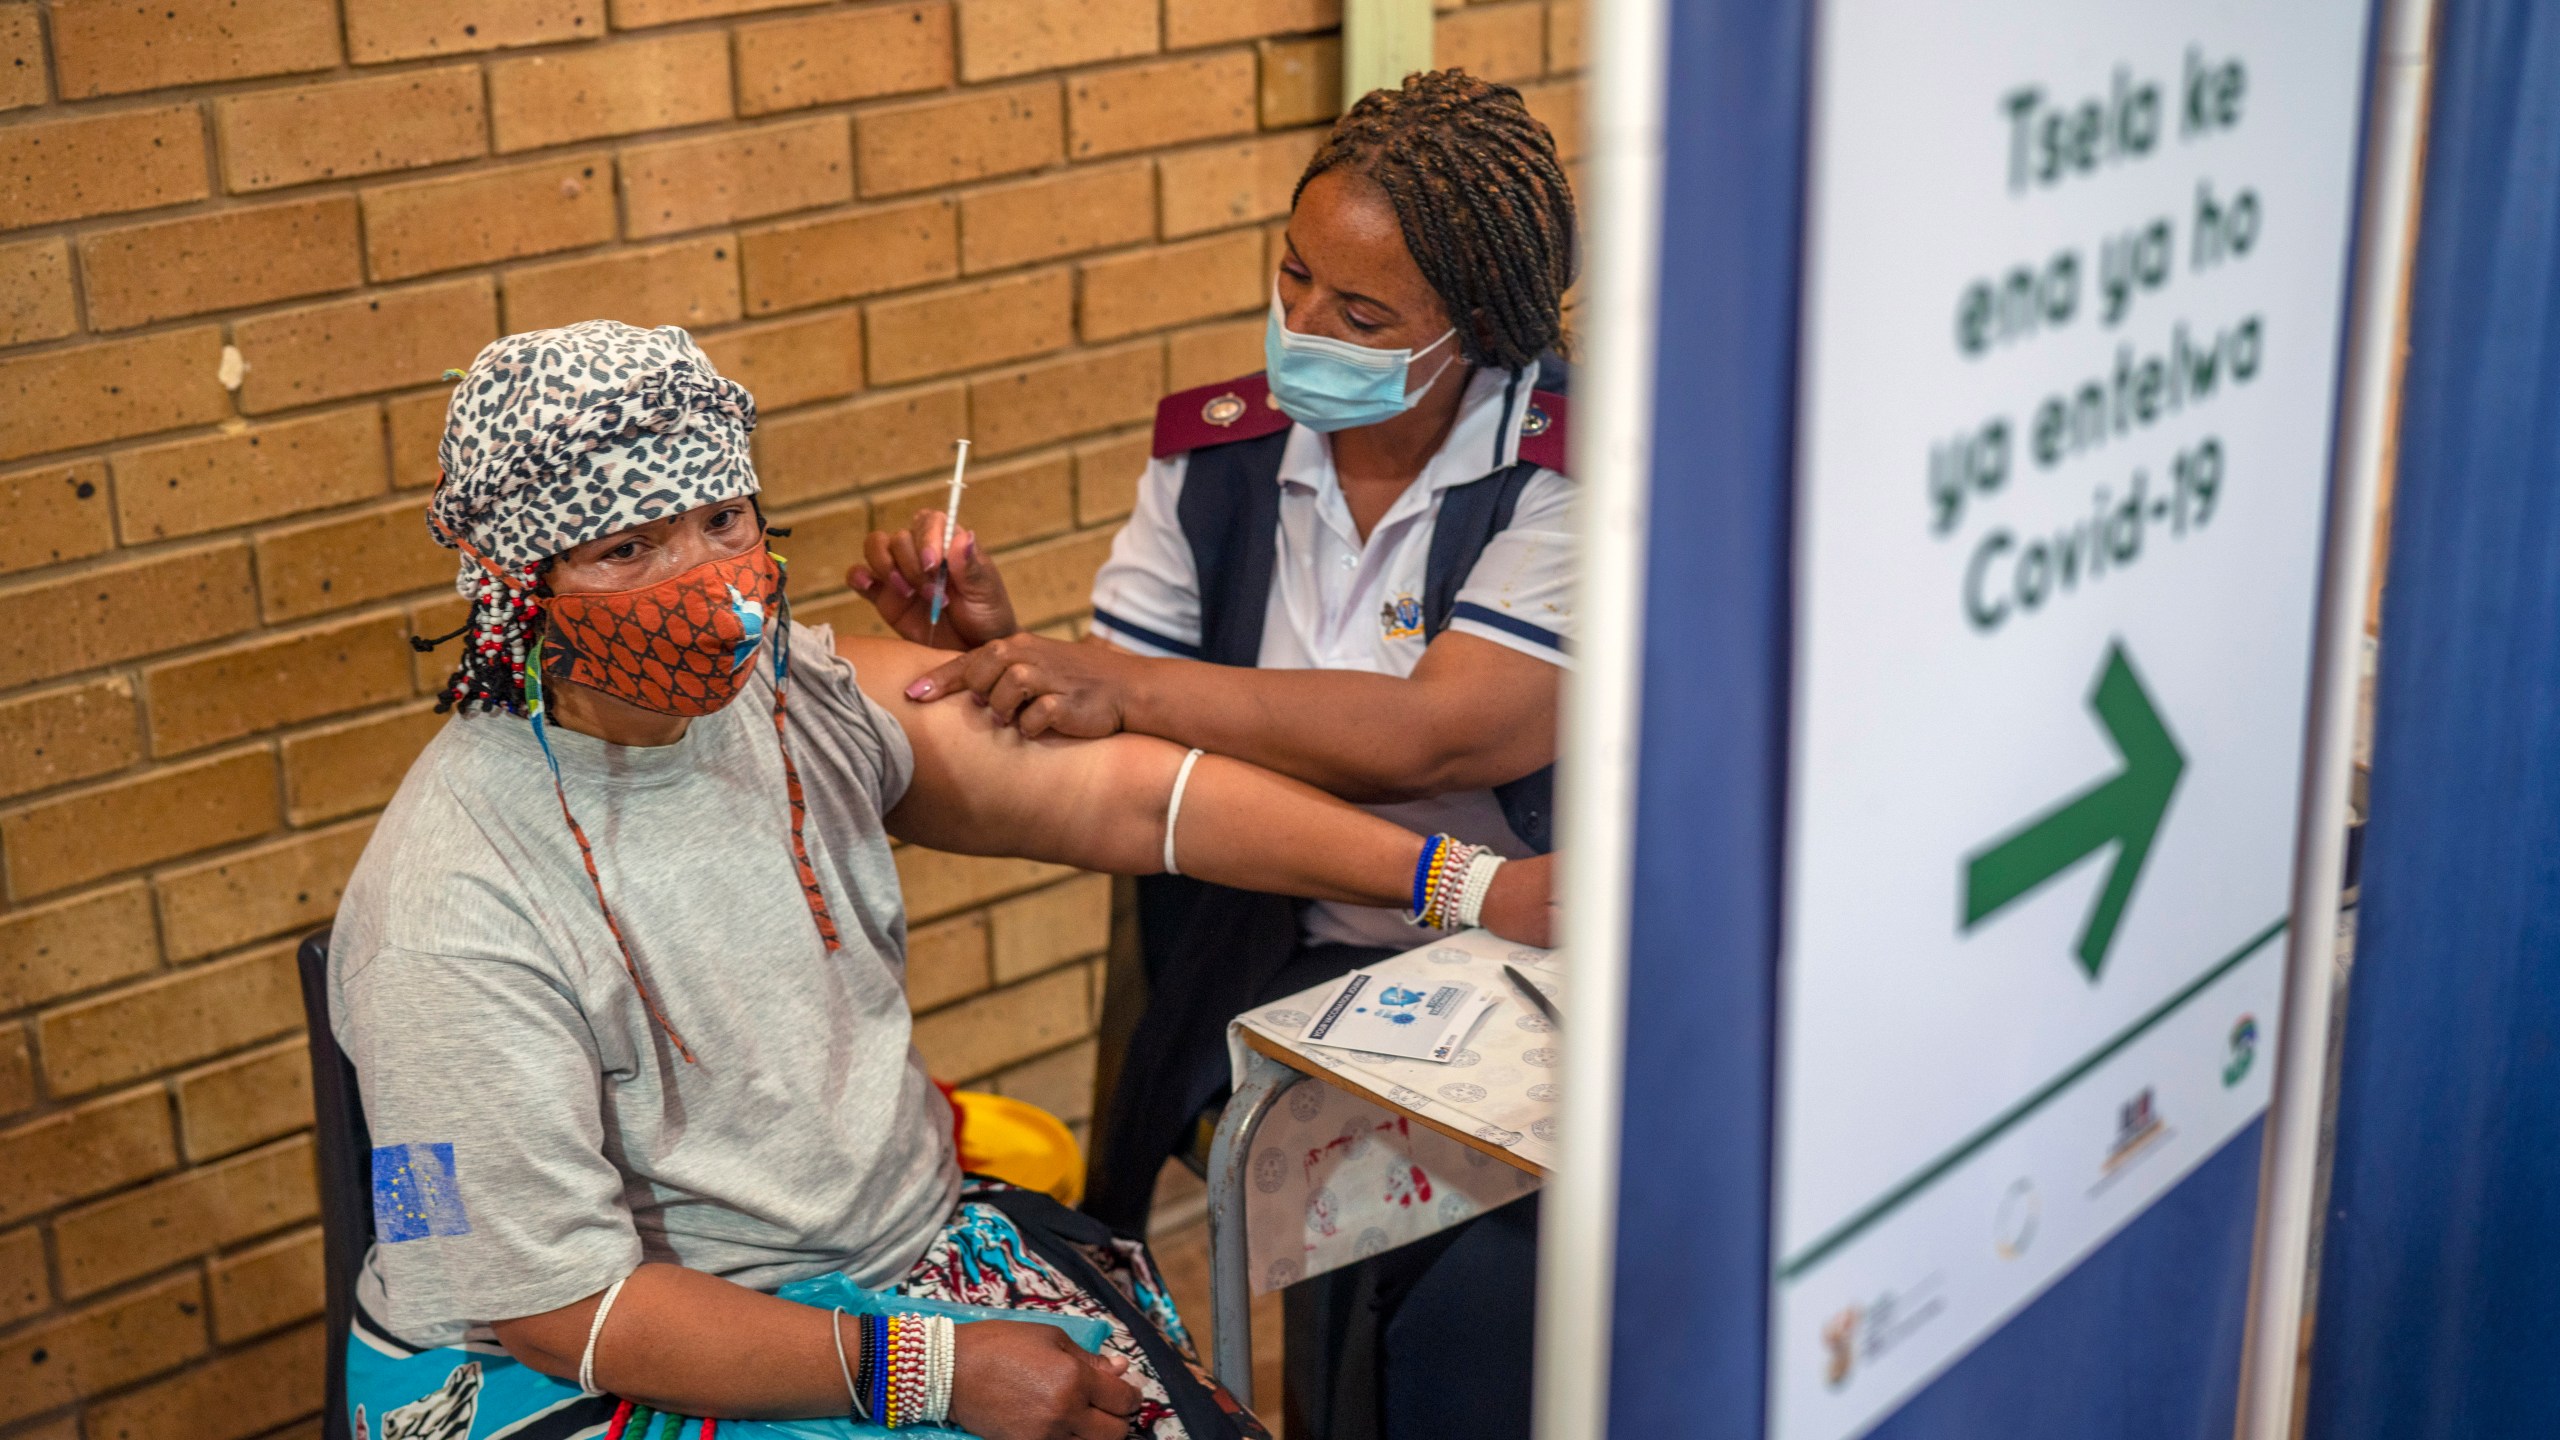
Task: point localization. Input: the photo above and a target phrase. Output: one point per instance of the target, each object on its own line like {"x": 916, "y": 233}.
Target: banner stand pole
{"x": 2272, "y": 1357}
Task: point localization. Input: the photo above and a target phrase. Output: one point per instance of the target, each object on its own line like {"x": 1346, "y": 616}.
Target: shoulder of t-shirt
{"x": 1219, "y": 414}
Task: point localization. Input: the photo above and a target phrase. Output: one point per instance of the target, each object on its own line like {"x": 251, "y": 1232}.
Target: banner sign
{"x": 2074, "y": 279}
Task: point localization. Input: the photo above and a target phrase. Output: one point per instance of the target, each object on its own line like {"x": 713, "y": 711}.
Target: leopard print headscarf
{"x": 558, "y": 437}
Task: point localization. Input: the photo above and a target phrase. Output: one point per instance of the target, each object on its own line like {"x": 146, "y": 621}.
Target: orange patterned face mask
{"x": 683, "y": 646}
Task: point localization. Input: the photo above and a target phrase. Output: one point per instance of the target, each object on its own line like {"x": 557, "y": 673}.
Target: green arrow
{"x": 2124, "y": 811}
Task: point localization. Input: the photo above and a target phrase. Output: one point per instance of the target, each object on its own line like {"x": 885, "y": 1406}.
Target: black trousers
{"x": 1431, "y": 1341}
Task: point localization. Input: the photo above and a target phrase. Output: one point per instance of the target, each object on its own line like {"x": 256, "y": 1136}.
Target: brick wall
{"x": 239, "y": 241}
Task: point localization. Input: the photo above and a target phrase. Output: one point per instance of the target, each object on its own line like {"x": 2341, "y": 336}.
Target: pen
{"x": 1535, "y": 996}
{"x": 950, "y": 527}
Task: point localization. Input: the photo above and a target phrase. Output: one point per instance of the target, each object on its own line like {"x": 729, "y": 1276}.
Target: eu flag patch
{"x": 415, "y": 1194}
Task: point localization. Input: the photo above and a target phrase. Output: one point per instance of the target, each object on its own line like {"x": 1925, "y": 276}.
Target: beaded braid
{"x": 503, "y": 622}
{"x": 1483, "y": 202}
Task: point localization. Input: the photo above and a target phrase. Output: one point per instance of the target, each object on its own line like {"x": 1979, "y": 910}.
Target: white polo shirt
{"x": 1341, "y": 603}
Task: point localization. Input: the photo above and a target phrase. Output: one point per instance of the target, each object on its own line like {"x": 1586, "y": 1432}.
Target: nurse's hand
{"x": 1020, "y": 1380}
{"x": 1041, "y": 686}
{"x": 896, "y": 576}
{"x": 1521, "y": 905}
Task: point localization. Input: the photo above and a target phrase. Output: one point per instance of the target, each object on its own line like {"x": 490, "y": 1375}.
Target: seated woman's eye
{"x": 627, "y": 550}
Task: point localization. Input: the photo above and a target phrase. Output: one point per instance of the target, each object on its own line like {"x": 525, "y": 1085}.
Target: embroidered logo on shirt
{"x": 1401, "y": 617}
{"x": 415, "y": 1194}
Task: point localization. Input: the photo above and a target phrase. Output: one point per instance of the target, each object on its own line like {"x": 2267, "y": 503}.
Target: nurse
{"x": 1354, "y": 568}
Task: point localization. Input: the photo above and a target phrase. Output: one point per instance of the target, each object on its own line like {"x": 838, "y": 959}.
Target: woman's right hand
{"x": 896, "y": 576}
{"x": 1021, "y": 1380}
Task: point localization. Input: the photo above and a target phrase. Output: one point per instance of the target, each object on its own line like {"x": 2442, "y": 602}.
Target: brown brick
{"x": 1493, "y": 42}
{"x": 55, "y": 514}
{"x": 946, "y": 962}
{"x": 970, "y": 136}
{"x": 739, "y": 174}
{"x": 248, "y": 1099}
{"x": 220, "y": 261}
{"x": 1047, "y": 928}
{"x": 73, "y": 1154}
{"x": 1090, "y": 208}
{"x": 61, "y": 398}
{"x": 187, "y": 487}
{"x": 115, "y": 612}
{"x": 77, "y": 944}
{"x": 1015, "y": 37}
{"x": 977, "y": 1036}
{"x": 1173, "y": 284}
{"x": 1072, "y": 395}
{"x": 442, "y": 616}
{"x": 689, "y": 283}
{"x": 843, "y": 55}
{"x": 1564, "y": 36}
{"x": 986, "y": 323}
{"x": 1007, "y": 504}
{"x": 810, "y": 262}
{"x": 842, "y": 448}
{"x": 185, "y": 1215}
{"x": 653, "y": 84}
{"x": 341, "y": 769}
{"x": 1107, "y": 475}
{"x": 560, "y": 203}
{"x": 233, "y": 1397}
{"x": 1301, "y": 81}
{"x": 1207, "y": 354}
{"x": 324, "y": 565}
{"x": 35, "y": 286}
{"x": 382, "y": 30}
{"x": 1208, "y": 22}
{"x": 17, "y": 1092}
{"x": 277, "y": 679}
{"x": 632, "y": 14}
{"x": 351, "y": 127}
{"x": 100, "y": 165}
{"x": 416, "y": 423}
{"x": 1052, "y": 581}
{"x": 102, "y": 1347}
{"x": 790, "y": 362}
{"x": 824, "y": 542}
{"x": 22, "y": 67}
{"x": 267, "y": 1287}
{"x": 71, "y": 733}
{"x": 847, "y": 614}
{"x": 169, "y": 812}
{"x": 200, "y": 1011}
{"x": 1163, "y": 102}
{"x": 24, "y": 1290}
{"x": 1226, "y": 185}
{"x": 288, "y": 884}
{"x": 1060, "y": 1082}
{"x": 379, "y": 341}
{"x": 937, "y": 882}
{"x": 1559, "y": 104}
{"x": 115, "y": 47}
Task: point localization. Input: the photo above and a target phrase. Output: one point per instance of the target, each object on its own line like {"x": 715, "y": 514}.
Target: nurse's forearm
{"x": 1472, "y": 715}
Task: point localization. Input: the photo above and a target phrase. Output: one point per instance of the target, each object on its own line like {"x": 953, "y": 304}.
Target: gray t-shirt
{"x": 536, "y": 1136}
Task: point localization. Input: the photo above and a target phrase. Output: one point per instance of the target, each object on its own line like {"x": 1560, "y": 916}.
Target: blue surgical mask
{"x": 1328, "y": 385}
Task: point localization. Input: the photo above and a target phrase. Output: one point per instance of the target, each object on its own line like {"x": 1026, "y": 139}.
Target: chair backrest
{"x": 346, "y": 1171}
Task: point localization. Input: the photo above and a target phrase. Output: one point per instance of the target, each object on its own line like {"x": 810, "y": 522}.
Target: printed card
{"x": 1407, "y": 1018}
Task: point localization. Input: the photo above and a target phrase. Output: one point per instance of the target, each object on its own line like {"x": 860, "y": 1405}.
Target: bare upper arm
{"x": 1493, "y": 711}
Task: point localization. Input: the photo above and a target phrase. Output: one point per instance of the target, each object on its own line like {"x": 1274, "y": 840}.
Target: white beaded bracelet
{"x": 942, "y": 1356}
{"x": 1478, "y": 884}
{"x": 595, "y": 1327}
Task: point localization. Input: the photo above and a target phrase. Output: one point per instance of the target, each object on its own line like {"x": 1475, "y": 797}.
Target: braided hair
{"x": 489, "y": 679}
{"x": 1483, "y": 203}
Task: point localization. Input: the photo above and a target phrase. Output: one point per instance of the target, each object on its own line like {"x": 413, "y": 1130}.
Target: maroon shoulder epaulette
{"x": 1542, "y": 430}
{"x": 1238, "y": 409}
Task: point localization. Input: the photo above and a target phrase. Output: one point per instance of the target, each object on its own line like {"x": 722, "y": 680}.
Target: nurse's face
{"x": 1346, "y": 273}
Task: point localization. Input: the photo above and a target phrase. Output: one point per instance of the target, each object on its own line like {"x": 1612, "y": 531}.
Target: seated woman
{"x": 621, "y": 969}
